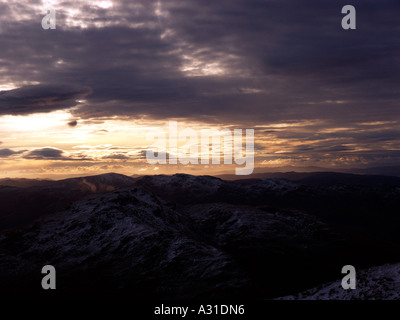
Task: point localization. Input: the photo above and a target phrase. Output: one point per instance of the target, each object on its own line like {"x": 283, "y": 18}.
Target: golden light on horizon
{"x": 117, "y": 144}
{"x": 34, "y": 122}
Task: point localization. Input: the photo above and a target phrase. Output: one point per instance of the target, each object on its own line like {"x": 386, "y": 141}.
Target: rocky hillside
{"x": 182, "y": 236}
{"x": 23, "y": 204}
{"x": 377, "y": 283}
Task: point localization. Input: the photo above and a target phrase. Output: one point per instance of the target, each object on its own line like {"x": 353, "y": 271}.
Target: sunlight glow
{"x": 32, "y": 123}
{"x": 195, "y": 68}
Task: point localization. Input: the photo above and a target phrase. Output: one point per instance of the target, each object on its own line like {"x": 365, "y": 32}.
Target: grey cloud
{"x": 142, "y": 154}
{"x": 314, "y": 61}
{"x": 49, "y": 153}
{"x": 317, "y": 148}
{"x": 258, "y": 146}
{"x": 73, "y": 123}
{"x": 8, "y": 152}
{"x": 118, "y": 156}
{"x": 295, "y": 52}
{"x": 45, "y": 153}
{"x": 349, "y": 135}
{"x": 40, "y": 98}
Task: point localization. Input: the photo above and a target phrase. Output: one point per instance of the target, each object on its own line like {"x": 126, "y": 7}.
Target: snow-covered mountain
{"x": 128, "y": 236}
{"x": 377, "y": 283}
{"x": 132, "y": 243}
{"x": 185, "y": 236}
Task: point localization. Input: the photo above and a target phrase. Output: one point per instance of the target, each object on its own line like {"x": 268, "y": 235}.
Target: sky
{"x": 80, "y": 99}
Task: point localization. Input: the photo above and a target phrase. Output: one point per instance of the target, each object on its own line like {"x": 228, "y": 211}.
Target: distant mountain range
{"x": 296, "y": 174}
{"x": 184, "y": 236}
{"x": 24, "y": 200}
{"x": 24, "y": 183}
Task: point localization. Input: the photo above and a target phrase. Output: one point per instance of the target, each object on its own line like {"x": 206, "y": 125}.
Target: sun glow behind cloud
{"x": 35, "y": 123}
{"x": 119, "y": 145}
{"x": 52, "y": 149}
{"x": 115, "y": 70}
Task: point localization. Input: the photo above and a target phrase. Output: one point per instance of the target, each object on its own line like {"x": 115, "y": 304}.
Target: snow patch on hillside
{"x": 377, "y": 283}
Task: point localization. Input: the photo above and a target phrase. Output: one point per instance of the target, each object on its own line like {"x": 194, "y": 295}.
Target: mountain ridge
{"x": 194, "y": 237}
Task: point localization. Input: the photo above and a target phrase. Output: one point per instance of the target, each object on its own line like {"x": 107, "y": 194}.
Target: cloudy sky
{"x": 80, "y": 99}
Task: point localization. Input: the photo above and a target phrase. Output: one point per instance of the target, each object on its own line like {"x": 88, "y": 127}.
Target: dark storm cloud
{"x": 49, "y": 153}
{"x": 357, "y": 134}
{"x": 4, "y": 153}
{"x": 117, "y": 156}
{"x": 293, "y": 55}
{"x": 45, "y": 153}
{"x": 40, "y": 98}
{"x": 73, "y": 123}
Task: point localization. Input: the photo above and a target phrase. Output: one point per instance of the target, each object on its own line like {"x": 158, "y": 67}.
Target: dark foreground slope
{"x": 377, "y": 283}
{"x": 199, "y": 237}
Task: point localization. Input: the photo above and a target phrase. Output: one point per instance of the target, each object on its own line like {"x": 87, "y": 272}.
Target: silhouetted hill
{"x": 387, "y": 171}
{"x": 21, "y": 205}
{"x": 330, "y": 177}
{"x": 184, "y": 236}
{"x": 333, "y": 178}
{"x": 24, "y": 183}
{"x": 131, "y": 243}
